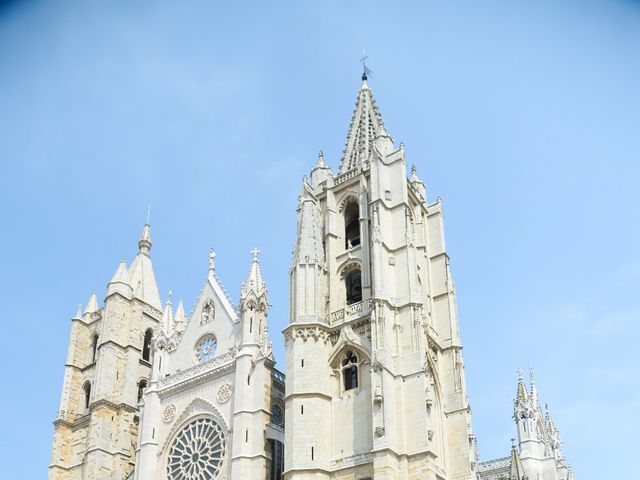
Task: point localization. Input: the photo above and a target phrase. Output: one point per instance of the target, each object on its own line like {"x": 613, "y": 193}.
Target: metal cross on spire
{"x": 365, "y": 70}
{"x": 255, "y": 252}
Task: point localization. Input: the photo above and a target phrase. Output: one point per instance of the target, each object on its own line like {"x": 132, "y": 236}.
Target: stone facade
{"x": 375, "y": 373}
{"x": 214, "y": 369}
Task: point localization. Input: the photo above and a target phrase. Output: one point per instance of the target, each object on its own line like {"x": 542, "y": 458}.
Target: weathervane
{"x": 365, "y": 70}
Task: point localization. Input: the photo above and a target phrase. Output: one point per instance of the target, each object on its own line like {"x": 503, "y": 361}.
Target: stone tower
{"x": 108, "y": 365}
{"x": 375, "y": 377}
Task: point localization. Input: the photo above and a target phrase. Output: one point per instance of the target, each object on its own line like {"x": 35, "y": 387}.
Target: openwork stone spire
{"x": 366, "y": 125}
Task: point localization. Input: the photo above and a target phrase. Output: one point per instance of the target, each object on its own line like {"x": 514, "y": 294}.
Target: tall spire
{"x": 366, "y": 125}
{"x": 141, "y": 275}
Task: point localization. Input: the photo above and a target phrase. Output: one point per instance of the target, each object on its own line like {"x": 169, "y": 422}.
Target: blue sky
{"x": 522, "y": 116}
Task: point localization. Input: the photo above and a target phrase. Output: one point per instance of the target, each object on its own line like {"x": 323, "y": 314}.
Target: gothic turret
{"x": 538, "y": 438}
{"x": 254, "y": 304}
{"x": 321, "y": 173}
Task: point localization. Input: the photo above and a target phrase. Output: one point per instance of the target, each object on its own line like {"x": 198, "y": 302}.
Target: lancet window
{"x": 352, "y": 225}
{"x": 350, "y": 370}
{"x": 146, "y": 346}
{"x": 87, "y": 395}
{"x": 142, "y": 386}
{"x": 353, "y": 286}
{"x": 94, "y": 348}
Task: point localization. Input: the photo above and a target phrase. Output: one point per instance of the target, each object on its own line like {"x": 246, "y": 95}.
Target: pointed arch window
{"x": 352, "y": 225}
{"x": 87, "y": 395}
{"x": 142, "y": 386}
{"x": 349, "y": 369}
{"x": 146, "y": 346}
{"x": 353, "y": 286}
{"x": 94, "y": 348}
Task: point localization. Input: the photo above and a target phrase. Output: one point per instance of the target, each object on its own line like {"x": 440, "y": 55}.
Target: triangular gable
{"x": 212, "y": 314}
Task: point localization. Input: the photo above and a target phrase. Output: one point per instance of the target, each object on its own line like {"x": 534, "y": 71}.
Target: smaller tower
{"x": 254, "y": 364}
{"x": 540, "y": 448}
{"x": 108, "y": 366}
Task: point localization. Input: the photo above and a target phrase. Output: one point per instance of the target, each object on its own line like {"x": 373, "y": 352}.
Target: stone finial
{"x": 212, "y": 262}
{"x": 144, "y": 243}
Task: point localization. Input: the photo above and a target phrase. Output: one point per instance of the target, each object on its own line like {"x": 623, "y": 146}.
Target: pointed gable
{"x": 212, "y": 314}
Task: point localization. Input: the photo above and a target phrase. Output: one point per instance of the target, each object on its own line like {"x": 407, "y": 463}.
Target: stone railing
{"x": 343, "y": 177}
{"x": 352, "y": 311}
{"x": 189, "y": 373}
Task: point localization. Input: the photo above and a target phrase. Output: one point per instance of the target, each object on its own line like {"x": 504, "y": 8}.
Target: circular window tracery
{"x": 197, "y": 452}
{"x": 206, "y": 348}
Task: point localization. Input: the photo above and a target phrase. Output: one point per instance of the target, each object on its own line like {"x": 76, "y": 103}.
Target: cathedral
{"x": 375, "y": 382}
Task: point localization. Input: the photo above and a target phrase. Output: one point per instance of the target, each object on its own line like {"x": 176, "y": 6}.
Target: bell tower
{"x": 108, "y": 365}
{"x": 375, "y": 376}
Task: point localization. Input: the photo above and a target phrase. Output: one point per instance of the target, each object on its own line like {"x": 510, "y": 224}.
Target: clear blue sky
{"x": 523, "y": 116}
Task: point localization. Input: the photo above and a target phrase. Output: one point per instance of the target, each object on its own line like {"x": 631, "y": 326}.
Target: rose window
{"x": 206, "y": 348}
{"x": 197, "y": 452}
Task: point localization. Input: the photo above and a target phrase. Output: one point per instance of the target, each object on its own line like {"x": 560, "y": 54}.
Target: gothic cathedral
{"x": 375, "y": 386}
